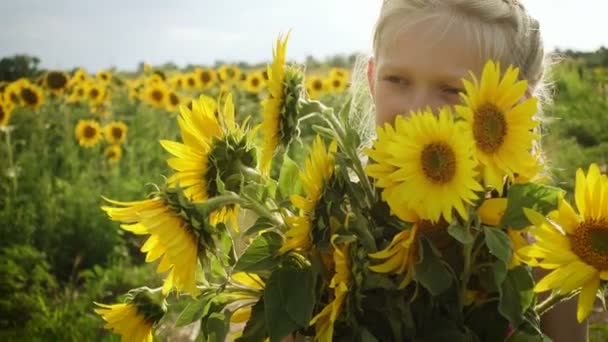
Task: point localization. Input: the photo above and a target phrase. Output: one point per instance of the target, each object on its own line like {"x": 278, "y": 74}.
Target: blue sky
{"x": 121, "y": 33}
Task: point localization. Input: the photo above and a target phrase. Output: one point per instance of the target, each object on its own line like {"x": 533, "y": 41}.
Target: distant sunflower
{"x": 425, "y": 163}
{"x": 5, "y": 113}
{"x": 336, "y": 84}
{"x": 191, "y": 81}
{"x": 214, "y": 147}
{"x": 315, "y": 86}
{"x": 207, "y": 77}
{"x": 171, "y": 237}
{"x": 80, "y": 76}
{"x": 88, "y": 133}
{"x": 574, "y": 245}
{"x": 339, "y": 73}
{"x": 56, "y": 81}
{"x": 156, "y": 94}
{"x": 78, "y": 93}
{"x": 254, "y": 82}
{"x": 320, "y": 165}
{"x": 31, "y": 96}
{"x": 96, "y": 93}
{"x": 173, "y": 101}
{"x": 132, "y": 320}
{"x": 12, "y": 93}
{"x": 104, "y": 76}
{"x": 501, "y": 125}
{"x": 115, "y": 132}
{"x": 229, "y": 73}
{"x": 113, "y": 153}
{"x": 279, "y": 109}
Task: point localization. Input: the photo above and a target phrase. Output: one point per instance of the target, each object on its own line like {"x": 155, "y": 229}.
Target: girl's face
{"x": 421, "y": 66}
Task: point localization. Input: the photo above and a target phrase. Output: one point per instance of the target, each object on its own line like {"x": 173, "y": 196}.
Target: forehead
{"x": 437, "y": 45}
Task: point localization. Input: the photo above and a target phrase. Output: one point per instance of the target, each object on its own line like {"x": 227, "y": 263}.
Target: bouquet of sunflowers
{"x": 433, "y": 240}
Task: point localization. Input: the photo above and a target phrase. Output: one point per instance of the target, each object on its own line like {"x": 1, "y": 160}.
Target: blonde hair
{"x": 503, "y": 29}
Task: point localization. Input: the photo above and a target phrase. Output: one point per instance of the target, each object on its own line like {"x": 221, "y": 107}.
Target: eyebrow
{"x": 439, "y": 75}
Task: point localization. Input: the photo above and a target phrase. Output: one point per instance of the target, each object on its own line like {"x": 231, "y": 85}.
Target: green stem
{"x": 232, "y": 198}
{"x": 548, "y": 303}
{"x": 469, "y": 258}
{"x": 11, "y": 163}
{"x": 351, "y": 152}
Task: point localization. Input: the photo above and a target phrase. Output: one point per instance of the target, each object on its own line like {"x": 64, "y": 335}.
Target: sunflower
{"x": 336, "y": 84}
{"x": 88, "y": 133}
{"x": 191, "y": 81}
{"x": 156, "y": 94}
{"x": 315, "y": 86}
{"x": 207, "y": 77}
{"x": 574, "y": 245}
{"x": 401, "y": 254}
{"x": 173, "y": 101}
{"x": 214, "y": 147}
{"x": 5, "y": 112}
{"x": 320, "y": 165}
{"x": 229, "y": 73}
{"x": 501, "y": 125}
{"x": 340, "y": 73}
{"x": 56, "y": 81}
{"x": 115, "y": 132}
{"x": 80, "y": 76}
{"x": 254, "y": 83}
{"x": 132, "y": 320}
{"x": 78, "y": 93}
{"x": 340, "y": 282}
{"x": 280, "y": 109}
{"x": 96, "y": 93}
{"x": 250, "y": 282}
{"x": 171, "y": 237}
{"x": 31, "y": 95}
{"x": 12, "y": 93}
{"x": 425, "y": 164}
{"x": 491, "y": 212}
{"x": 104, "y": 76}
{"x": 113, "y": 153}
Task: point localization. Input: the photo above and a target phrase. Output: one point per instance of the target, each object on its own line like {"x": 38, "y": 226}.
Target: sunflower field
{"x": 71, "y": 142}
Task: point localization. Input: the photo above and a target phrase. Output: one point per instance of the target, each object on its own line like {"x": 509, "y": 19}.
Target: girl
{"x": 421, "y": 51}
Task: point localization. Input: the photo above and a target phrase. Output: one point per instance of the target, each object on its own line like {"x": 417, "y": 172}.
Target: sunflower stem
{"x": 12, "y": 172}
{"x": 469, "y": 257}
{"x": 233, "y": 198}
{"x": 548, "y": 303}
{"x": 351, "y": 152}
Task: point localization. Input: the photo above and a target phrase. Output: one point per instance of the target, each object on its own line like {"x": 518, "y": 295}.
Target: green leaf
{"x": 288, "y": 300}
{"x": 460, "y": 233}
{"x": 260, "y": 224}
{"x": 195, "y": 310}
{"x": 289, "y": 179}
{"x": 499, "y": 243}
{"x": 217, "y": 325}
{"x": 431, "y": 272}
{"x": 541, "y": 198}
{"x": 516, "y": 295}
{"x": 261, "y": 255}
{"x": 255, "y": 329}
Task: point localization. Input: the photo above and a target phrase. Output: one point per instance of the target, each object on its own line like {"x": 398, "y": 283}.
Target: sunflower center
{"x": 116, "y": 133}
{"x": 174, "y": 99}
{"x": 80, "y": 92}
{"x": 230, "y": 73}
{"x": 14, "y": 98}
{"x": 489, "y": 128}
{"x": 94, "y": 93}
{"x": 337, "y": 83}
{"x": 191, "y": 82}
{"x": 29, "y": 96}
{"x": 157, "y": 95}
{"x": 317, "y": 85}
{"x": 438, "y": 162}
{"x": 205, "y": 77}
{"x": 2, "y": 114}
{"x": 590, "y": 243}
{"x": 255, "y": 81}
{"x": 56, "y": 80}
{"x": 265, "y": 75}
{"x": 89, "y": 132}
